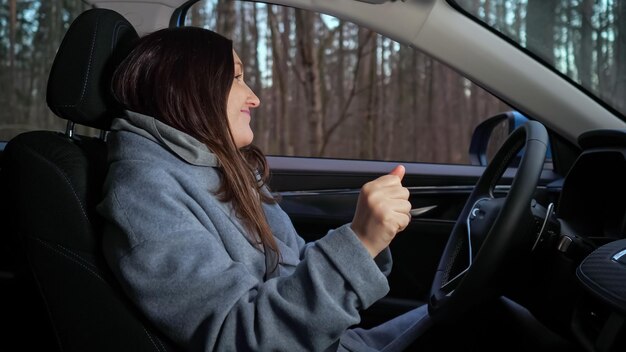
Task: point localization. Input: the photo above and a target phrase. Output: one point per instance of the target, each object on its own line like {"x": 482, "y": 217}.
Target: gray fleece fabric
{"x": 187, "y": 262}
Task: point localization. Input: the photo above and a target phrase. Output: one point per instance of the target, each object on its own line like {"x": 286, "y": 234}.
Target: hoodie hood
{"x": 181, "y": 144}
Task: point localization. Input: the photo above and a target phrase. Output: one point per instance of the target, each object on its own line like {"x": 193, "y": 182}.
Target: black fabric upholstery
{"x": 60, "y": 183}
{"x": 54, "y": 183}
{"x": 605, "y": 277}
{"x": 79, "y": 83}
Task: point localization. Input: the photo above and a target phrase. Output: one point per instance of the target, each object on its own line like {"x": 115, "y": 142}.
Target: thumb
{"x": 398, "y": 171}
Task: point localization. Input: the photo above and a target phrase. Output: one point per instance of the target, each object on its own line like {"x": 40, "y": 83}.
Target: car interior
{"x": 553, "y": 277}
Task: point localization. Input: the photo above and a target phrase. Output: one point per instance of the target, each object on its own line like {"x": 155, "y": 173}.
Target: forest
{"x": 329, "y": 88}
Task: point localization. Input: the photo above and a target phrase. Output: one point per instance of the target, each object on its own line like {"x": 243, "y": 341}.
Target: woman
{"x": 197, "y": 241}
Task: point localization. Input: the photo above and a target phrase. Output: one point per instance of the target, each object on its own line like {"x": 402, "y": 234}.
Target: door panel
{"x": 321, "y": 194}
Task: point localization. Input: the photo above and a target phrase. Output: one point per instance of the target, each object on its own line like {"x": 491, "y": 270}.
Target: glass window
{"x": 330, "y": 88}
{"x": 30, "y": 34}
{"x": 584, "y": 40}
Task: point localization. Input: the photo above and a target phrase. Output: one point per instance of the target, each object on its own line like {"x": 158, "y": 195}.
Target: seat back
{"x": 55, "y": 181}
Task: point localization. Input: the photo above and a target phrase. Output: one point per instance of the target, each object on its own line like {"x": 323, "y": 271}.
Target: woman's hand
{"x": 382, "y": 211}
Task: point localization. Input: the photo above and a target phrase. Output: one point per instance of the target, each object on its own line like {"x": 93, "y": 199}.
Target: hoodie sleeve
{"x": 281, "y": 225}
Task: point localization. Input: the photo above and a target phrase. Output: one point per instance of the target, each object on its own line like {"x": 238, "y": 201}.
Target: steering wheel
{"x": 490, "y": 231}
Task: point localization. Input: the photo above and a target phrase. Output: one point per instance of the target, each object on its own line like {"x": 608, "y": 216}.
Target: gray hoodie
{"x": 188, "y": 263}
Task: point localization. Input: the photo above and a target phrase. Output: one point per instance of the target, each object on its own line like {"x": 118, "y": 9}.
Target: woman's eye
{"x": 239, "y": 77}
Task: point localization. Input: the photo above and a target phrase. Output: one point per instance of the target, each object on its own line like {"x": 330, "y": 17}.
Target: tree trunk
{"x": 540, "y": 23}
{"x": 226, "y": 17}
{"x": 365, "y": 87}
{"x": 620, "y": 57}
{"x": 601, "y": 49}
{"x": 312, "y": 83}
{"x": 278, "y": 75}
{"x": 584, "y": 55}
{"x": 12, "y": 68}
{"x": 340, "y": 76}
{"x": 346, "y": 104}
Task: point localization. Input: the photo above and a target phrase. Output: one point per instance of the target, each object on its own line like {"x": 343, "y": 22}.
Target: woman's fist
{"x": 382, "y": 211}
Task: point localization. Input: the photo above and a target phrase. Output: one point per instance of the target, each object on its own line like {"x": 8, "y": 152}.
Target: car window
{"x": 30, "y": 34}
{"x": 584, "y": 40}
{"x": 330, "y": 88}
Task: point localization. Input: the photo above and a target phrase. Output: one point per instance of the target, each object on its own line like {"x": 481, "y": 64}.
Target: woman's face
{"x": 241, "y": 100}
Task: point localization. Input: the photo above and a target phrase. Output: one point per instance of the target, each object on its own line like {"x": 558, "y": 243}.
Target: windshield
{"x": 584, "y": 40}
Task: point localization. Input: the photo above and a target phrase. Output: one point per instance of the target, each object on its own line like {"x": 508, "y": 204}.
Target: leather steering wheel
{"x": 490, "y": 231}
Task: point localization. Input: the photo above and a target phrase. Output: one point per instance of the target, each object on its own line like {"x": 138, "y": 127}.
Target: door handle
{"x": 420, "y": 211}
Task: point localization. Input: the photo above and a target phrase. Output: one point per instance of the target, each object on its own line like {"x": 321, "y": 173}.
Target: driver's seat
{"x": 54, "y": 182}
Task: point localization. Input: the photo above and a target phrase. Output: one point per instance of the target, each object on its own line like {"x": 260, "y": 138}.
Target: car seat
{"x": 54, "y": 183}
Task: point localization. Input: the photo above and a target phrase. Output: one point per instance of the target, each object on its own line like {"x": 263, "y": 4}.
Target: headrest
{"x": 79, "y": 86}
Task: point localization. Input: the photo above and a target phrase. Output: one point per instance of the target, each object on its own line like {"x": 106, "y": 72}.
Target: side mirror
{"x": 484, "y": 139}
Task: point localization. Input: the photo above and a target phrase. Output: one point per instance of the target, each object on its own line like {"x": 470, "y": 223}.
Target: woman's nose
{"x": 253, "y": 100}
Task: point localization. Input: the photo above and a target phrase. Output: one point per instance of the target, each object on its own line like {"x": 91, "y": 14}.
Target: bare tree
{"x": 12, "y": 30}
{"x": 226, "y": 17}
{"x": 540, "y": 23}
{"x": 584, "y": 55}
{"x": 344, "y": 102}
{"x": 619, "y": 51}
{"x": 279, "y": 70}
{"x": 310, "y": 79}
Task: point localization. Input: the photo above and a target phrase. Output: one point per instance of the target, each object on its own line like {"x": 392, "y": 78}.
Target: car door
{"x": 321, "y": 194}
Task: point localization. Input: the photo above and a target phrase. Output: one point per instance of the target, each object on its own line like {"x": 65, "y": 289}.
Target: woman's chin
{"x": 244, "y": 142}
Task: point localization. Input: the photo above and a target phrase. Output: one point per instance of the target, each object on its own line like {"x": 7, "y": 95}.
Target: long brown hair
{"x": 182, "y": 77}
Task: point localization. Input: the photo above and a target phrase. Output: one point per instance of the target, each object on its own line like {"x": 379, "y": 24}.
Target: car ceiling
{"x": 436, "y": 28}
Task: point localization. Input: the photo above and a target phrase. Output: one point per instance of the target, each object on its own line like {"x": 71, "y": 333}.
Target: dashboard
{"x": 592, "y": 216}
